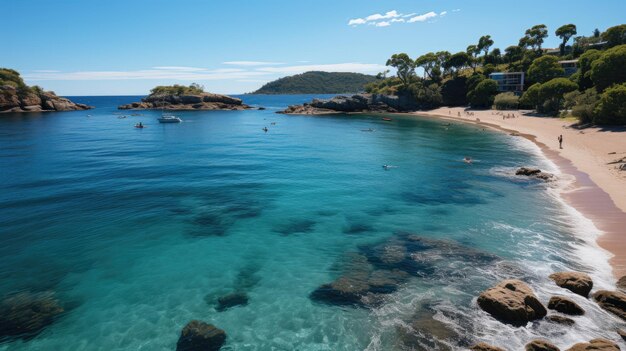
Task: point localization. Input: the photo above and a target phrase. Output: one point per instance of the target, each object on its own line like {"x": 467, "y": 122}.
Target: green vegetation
{"x": 319, "y": 83}
{"x": 10, "y": 77}
{"x": 592, "y": 93}
{"x": 193, "y": 89}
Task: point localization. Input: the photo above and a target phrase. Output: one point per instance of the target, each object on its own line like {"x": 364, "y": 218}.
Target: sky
{"x": 126, "y": 47}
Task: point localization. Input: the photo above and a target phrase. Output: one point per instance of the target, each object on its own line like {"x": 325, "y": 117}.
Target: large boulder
{"x": 481, "y": 346}
{"x": 231, "y": 300}
{"x": 541, "y": 345}
{"x": 225, "y": 99}
{"x": 26, "y": 314}
{"x": 191, "y": 99}
{"x": 555, "y": 318}
{"x": 512, "y": 302}
{"x": 200, "y": 336}
{"x": 612, "y": 301}
{"x": 355, "y": 103}
{"x": 578, "y": 283}
{"x": 565, "y": 305}
{"x": 30, "y": 99}
{"x": 8, "y": 98}
{"x": 595, "y": 345}
{"x": 534, "y": 173}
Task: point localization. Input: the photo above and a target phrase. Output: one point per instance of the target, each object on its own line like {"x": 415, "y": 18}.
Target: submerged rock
{"x": 578, "y": 283}
{"x": 428, "y": 333}
{"x": 612, "y": 301}
{"x": 231, "y": 300}
{"x": 555, "y": 318}
{"x": 565, "y": 305}
{"x": 541, "y": 345}
{"x": 481, "y": 346}
{"x": 595, "y": 345}
{"x": 26, "y": 314}
{"x": 200, "y": 336}
{"x": 513, "y": 302}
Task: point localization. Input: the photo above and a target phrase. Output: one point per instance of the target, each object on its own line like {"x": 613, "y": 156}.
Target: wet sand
{"x": 599, "y": 188}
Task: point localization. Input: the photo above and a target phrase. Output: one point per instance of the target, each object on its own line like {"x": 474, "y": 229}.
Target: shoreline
{"x": 596, "y": 192}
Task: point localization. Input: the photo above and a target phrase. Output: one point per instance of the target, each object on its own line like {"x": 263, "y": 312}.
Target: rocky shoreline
{"x": 13, "y": 100}
{"x": 204, "y": 101}
{"x": 354, "y": 103}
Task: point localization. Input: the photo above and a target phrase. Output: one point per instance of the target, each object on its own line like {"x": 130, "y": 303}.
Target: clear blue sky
{"x": 125, "y": 47}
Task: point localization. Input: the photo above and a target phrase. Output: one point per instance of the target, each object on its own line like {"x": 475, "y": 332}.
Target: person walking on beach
{"x": 560, "y": 139}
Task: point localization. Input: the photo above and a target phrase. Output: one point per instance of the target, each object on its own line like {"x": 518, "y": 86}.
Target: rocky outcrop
{"x": 595, "y": 345}
{"x": 200, "y": 336}
{"x": 26, "y": 314}
{"x": 534, "y": 173}
{"x": 354, "y": 103}
{"x": 622, "y": 333}
{"x": 231, "y": 300}
{"x": 541, "y": 345}
{"x": 204, "y": 101}
{"x": 513, "y": 302}
{"x": 578, "y": 283}
{"x": 12, "y": 100}
{"x": 565, "y": 305}
{"x": 621, "y": 283}
{"x": 481, "y": 346}
{"x": 612, "y": 301}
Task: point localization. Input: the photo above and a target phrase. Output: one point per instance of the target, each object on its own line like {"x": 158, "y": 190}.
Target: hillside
{"x": 318, "y": 83}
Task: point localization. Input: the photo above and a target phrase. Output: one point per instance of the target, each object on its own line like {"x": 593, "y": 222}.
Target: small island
{"x": 316, "y": 82}
{"x": 16, "y": 96}
{"x": 355, "y": 103}
{"x": 180, "y": 97}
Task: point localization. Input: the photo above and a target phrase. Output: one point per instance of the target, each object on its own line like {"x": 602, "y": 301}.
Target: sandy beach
{"x": 599, "y": 189}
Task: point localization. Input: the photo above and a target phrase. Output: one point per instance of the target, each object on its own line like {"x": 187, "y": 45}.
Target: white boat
{"x": 169, "y": 119}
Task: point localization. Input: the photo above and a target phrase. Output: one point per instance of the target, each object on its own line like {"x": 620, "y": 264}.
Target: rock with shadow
{"x": 595, "y": 345}
{"x": 564, "y": 305}
{"x": 200, "y": 336}
{"x": 425, "y": 332}
{"x": 231, "y": 300}
{"x": 612, "y": 301}
{"x": 512, "y": 302}
{"x": 296, "y": 226}
{"x": 576, "y": 282}
{"x": 541, "y": 345}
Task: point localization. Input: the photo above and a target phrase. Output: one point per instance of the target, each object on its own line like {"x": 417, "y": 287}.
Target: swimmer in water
{"x": 265, "y": 129}
{"x": 467, "y": 160}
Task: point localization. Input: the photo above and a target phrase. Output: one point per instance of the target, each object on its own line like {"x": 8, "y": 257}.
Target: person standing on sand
{"x": 560, "y": 139}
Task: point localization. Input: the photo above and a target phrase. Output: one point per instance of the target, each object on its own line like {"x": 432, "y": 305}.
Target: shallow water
{"x": 138, "y": 232}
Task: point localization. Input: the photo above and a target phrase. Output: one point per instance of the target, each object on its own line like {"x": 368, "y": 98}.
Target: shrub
{"x": 530, "y": 98}
{"x": 544, "y": 69}
{"x": 611, "y": 108}
{"x": 551, "y": 94}
{"x": 193, "y": 89}
{"x": 483, "y": 94}
{"x": 506, "y": 101}
{"x": 582, "y": 104}
{"x": 584, "y": 68}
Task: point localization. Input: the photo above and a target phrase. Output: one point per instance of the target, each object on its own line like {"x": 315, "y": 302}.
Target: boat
{"x": 169, "y": 119}
{"x": 387, "y": 119}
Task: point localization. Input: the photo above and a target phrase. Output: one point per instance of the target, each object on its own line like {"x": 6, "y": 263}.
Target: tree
{"x": 530, "y": 98}
{"x": 494, "y": 58}
{"x": 483, "y": 94}
{"x": 513, "y": 53}
{"x": 429, "y": 62}
{"x": 612, "y": 106}
{"x": 545, "y": 68}
{"x": 472, "y": 56}
{"x": 608, "y": 69}
{"x": 484, "y": 43}
{"x": 582, "y": 104}
{"x": 551, "y": 94}
{"x": 442, "y": 58}
{"x": 565, "y": 32}
{"x": 534, "y": 37}
{"x": 584, "y": 68}
{"x": 454, "y": 91}
{"x": 405, "y": 67}
{"x": 456, "y": 62}
{"x": 615, "y": 35}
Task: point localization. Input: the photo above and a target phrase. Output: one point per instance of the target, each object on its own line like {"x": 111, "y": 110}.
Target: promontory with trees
{"x": 585, "y": 77}
{"x": 316, "y": 82}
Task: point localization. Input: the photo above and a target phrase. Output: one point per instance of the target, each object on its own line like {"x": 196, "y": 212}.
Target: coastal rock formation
{"x": 612, "y": 301}
{"x": 481, "y": 346}
{"x": 595, "y": 345}
{"x": 578, "y": 283}
{"x": 555, "y": 318}
{"x": 621, "y": 283}
{"x": 26, "y": 314}
{"x": 513, "y": 302}
{"x": 34, "y": 100}
{"x": 201, "y": 101}
{"x": 200, "y": 336}
{"x": 622, "y": 333}
{"x": 231, "y": 300}
{"x": 534, "y": 173}
{"x": 354, "y": 103}
{"x": 565, "y": 305}
{"x": 541, "y": 345}
{"x": 427, "y": 333}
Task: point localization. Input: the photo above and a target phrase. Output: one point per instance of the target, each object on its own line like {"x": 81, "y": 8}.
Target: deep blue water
{"x": 138, "y": 232}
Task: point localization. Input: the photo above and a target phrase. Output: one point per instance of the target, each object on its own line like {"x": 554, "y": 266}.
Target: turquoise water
{"x": 138, "y": 232}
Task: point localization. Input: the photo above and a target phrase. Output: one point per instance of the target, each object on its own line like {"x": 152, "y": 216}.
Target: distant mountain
{"x": 316, "y": 82}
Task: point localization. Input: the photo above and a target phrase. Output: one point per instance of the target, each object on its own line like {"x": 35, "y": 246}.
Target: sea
{"x": 136, "y": 232}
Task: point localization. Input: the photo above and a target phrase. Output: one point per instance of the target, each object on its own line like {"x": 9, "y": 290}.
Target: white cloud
{"x": 397, "y": 20}
{"x": 423, "y": 17}
{"x": 383, "y": 24}
{"x": 356, "y": 21}
{"x": 178, "y": 68}
{"x": 252, "y": 63}
{"x": 456, "y": 10}
{"x": 443, "y": 13}
{"x": 378, "y": 16}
